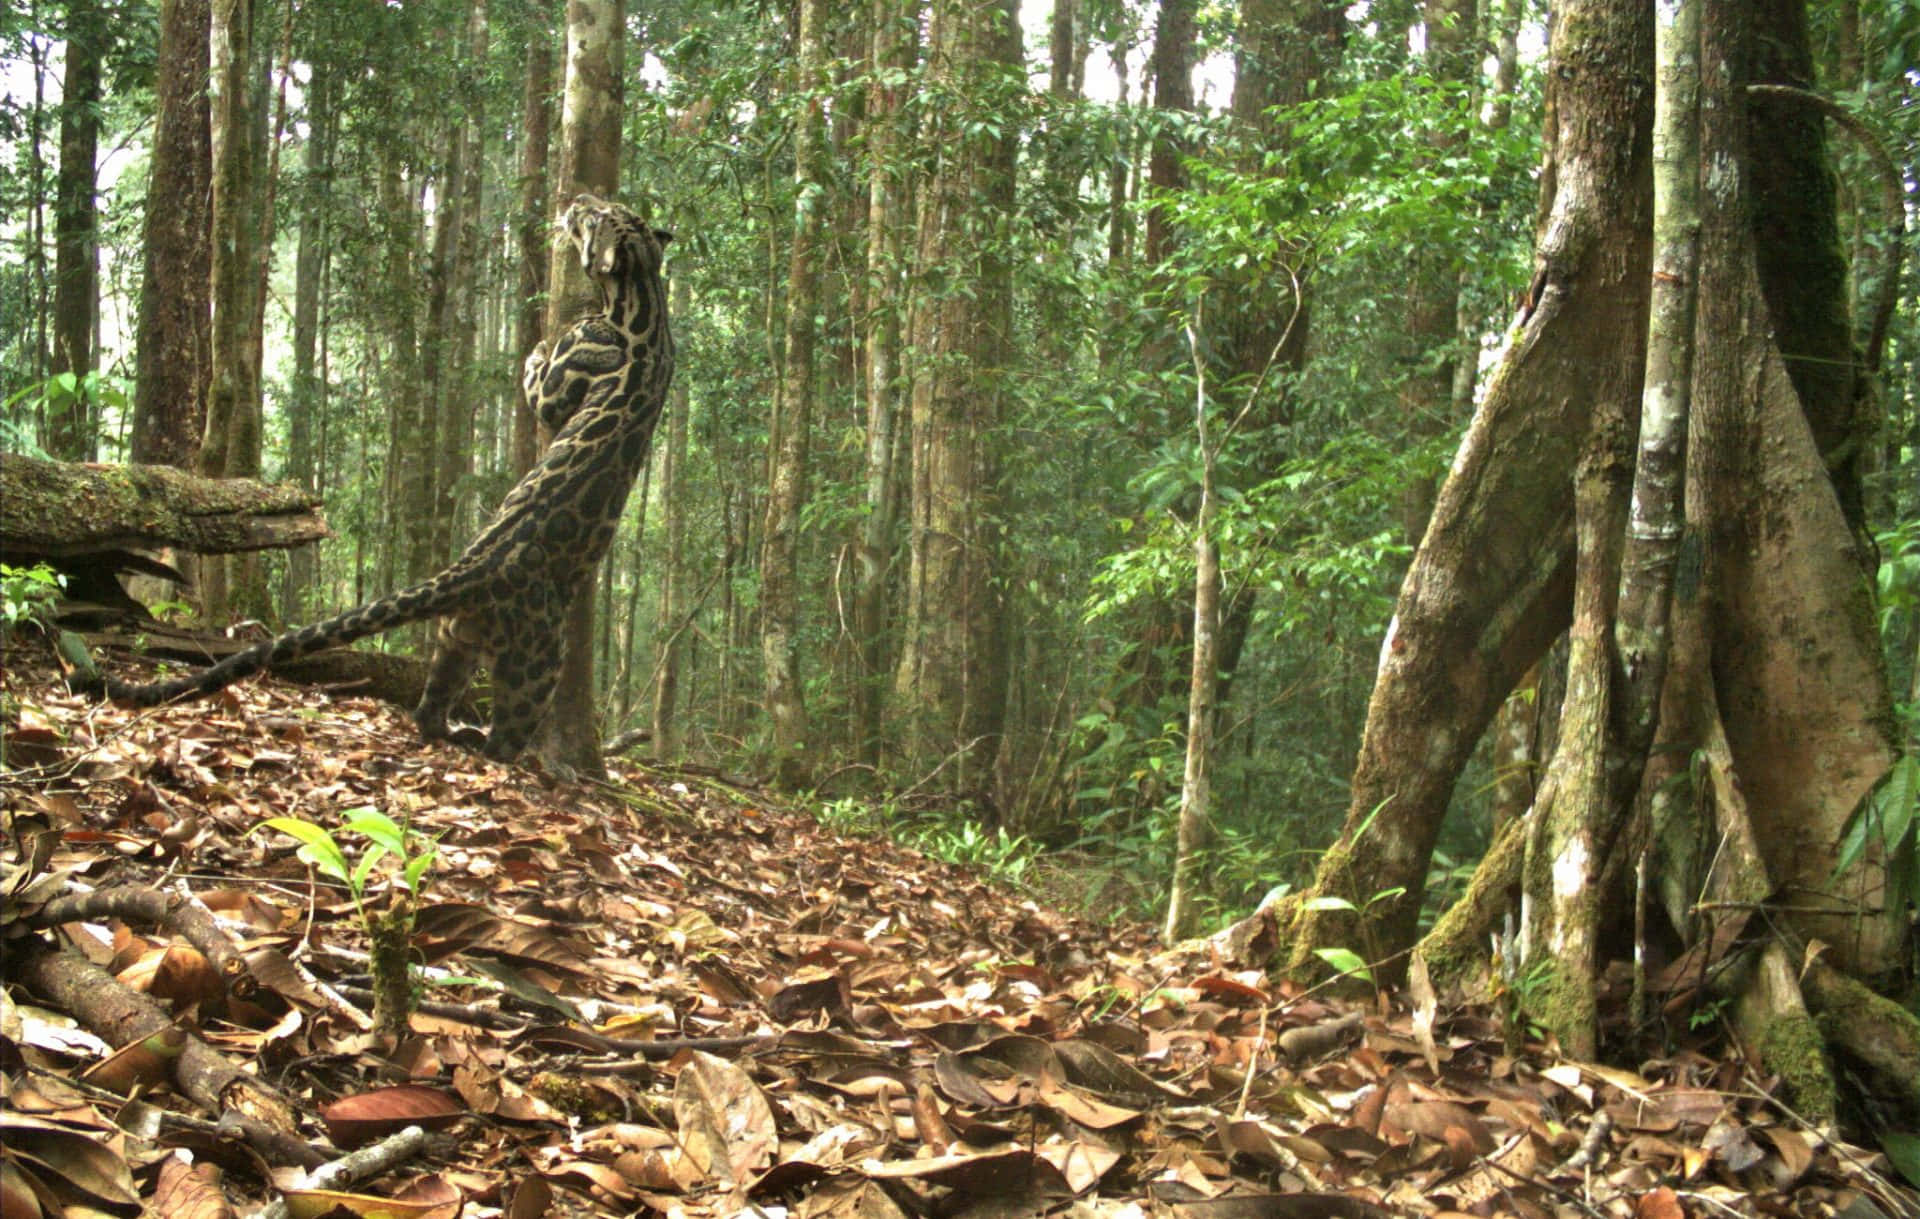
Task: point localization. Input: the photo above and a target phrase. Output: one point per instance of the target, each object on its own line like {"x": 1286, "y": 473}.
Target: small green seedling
{"x": 389, "y": 929}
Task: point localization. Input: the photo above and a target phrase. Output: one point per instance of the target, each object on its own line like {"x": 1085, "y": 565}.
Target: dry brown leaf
{"x": 723, "y": 1120}
{"x": 323, "y": 1203}
{"x": 189, "y": 1191}
{"x": 361, "y": 1118}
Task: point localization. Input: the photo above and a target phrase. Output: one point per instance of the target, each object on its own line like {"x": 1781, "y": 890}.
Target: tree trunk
{"x": 676, "y": 502}
{"x": 435, "y": 448}
{"x": 1802, "y": 263}
{"x": 793, "y": 411}
{"x": 1800, "y": 679}
{"x": 589, "y": 163}
{"x": 1431, "y": 352}
{"x": 1173, "y": 37}
{"x": 1196, "y": 785}
{"x": 310, "y": 269}
{"x": 172, "y": 360}
{"x": 1490, "y": 584}
{"x": 1619, "y": 642}
{"x": 893, "y": 52}
{"x": 952, "y": 670}
{"x": 533, "y": 233}
{"x": 460, "y": 403}
{"x": 76, "y": 243}
{"x": 232, "y": 430}
{"x": 409, "y": 475}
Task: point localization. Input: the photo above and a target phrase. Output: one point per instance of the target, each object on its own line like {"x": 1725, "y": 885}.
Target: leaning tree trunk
{"x": 1490, "y": 585}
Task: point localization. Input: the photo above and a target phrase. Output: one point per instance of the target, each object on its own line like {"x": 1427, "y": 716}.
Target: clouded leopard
{"x": 600, "y": 387}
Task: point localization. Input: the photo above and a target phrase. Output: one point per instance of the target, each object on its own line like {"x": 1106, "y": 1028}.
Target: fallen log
{"x": 93, "y": 523}
{"x": 56, "y": 509}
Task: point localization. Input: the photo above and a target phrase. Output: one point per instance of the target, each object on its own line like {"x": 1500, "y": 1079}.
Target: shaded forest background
{"x": 947, "y": 287}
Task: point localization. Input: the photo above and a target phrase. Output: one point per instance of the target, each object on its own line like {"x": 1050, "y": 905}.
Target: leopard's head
{"x": 612, "y": 241}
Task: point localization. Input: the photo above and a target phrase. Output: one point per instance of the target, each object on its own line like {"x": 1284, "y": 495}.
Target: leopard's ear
{"x": 663, "y": 236}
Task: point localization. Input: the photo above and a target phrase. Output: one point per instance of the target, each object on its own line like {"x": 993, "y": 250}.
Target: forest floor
{"x": 674, "y": 995}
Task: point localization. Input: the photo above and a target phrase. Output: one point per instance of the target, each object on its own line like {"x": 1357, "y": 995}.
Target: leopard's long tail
{"x": 428, "y": 599}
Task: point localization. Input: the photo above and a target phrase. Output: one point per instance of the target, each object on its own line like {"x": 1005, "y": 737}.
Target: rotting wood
{"x": 53, "y": 510}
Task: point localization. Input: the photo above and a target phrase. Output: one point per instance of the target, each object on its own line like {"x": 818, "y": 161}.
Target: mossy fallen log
{"x": 54, "y": 509}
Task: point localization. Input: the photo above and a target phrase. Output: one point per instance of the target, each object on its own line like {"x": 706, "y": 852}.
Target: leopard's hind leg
{"x": 526, "y": 670}
{"x": 459, "y": 645}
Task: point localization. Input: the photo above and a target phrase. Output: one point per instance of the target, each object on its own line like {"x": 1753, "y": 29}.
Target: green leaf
{"x": 417, "y": 867}
{"x": 1329, "y": 903}
{"x": 1346, "y": 961}
{"x": 317, "y": 846}
{"x": 377, "y": 827}
{"x": 1903, "y": 1152}
{"x": 368, "y": 860}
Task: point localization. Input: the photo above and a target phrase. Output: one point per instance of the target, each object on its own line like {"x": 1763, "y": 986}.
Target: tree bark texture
{"x": 1196, "y": 785}
{"x": 1795, "y": 655}
{"x": 674, "y": 602}
{"x": 952, "y": 673}
{"x": 1564, "y": 856}
{"x": 172, "y": 361}
{"x": 76, "y": 286}
{"x": 590, "y": 162}
{"x": 894, "y": 52}
{"x": 1432, "y": 330}
{"x": 462, "y": 403}
{"x": 1623, "y": 585}
{"x": 532, "y": 234}
{"x": 436, "y": 339}
{"x": 56, "y": 509}
{"x": 75, "y": 229}
{"x": 792, "y": 423}
{"x": 231, "y": 444}
{"x": 409, "y": 472}
{"x": 1490, "y": 584}
{"x": 1172, "y": 67}
{"x": 308, "y": 397}
{"x": 1803, "y": 263}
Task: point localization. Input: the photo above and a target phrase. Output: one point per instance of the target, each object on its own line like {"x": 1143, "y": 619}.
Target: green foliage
{"x": 1001, "y": 857}
{"x": 1898, "y": 587}
{"x": 851, "y": 817}
{"x": 404, "y": 857}
{"x": 1345, "y": 962}
{"x": 408, "y": 854}
{"x": 1887, "y": 821}
{"x": 94, "y": 393}
{"x": 948, "y": 832}
{"x": 27, "y": 594}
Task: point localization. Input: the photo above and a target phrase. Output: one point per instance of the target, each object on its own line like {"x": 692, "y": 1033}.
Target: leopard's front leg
{"x": 532, "y": 374}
